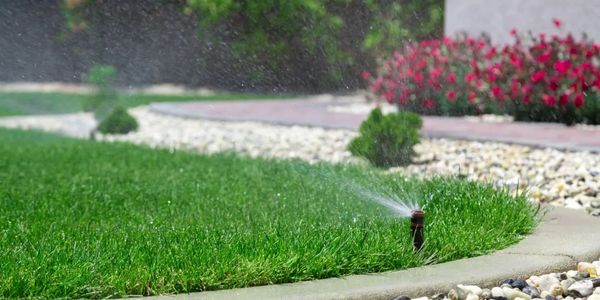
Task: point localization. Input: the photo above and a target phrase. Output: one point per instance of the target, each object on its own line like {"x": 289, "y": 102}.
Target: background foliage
{"x": 282, "y": 46}
{"x": 327, "y": 42}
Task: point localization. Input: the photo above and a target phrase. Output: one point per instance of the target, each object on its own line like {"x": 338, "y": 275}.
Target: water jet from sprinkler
{"x": 417, "y": 221}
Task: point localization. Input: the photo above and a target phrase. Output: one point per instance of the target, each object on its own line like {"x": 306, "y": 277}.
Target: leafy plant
{"x": 387, "y": 140}
{"x": 104, "y": 99}
{"x": 326, "y": 42}
{"x": 118, "y": 122}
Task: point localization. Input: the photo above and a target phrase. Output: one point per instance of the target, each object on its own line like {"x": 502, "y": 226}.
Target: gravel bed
{"x": 562, "y": 178}
{"x": 577, "y": 284}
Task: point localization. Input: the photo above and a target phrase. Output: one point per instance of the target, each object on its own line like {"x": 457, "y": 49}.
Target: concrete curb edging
{"x": 563, "y": 238}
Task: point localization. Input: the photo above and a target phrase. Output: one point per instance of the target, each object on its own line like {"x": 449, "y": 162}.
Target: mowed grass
{"x": 85, "y": 219}
{"x": 30, "y": 103}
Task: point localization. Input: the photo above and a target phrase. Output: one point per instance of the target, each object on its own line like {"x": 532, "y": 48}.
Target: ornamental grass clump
{"x": 537, "y": 78}
{"x": 387, "y": 140}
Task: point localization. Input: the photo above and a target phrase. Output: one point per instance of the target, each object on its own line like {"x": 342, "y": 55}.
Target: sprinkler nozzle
{"x": 417, "y": 221}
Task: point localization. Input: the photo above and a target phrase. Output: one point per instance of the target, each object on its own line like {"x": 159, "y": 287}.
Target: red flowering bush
{"x": 431, "y": 77}
{"x": 555, "y": 79}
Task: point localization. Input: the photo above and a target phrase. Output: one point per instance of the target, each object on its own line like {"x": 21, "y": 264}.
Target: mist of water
{"x": 400, "y": 207}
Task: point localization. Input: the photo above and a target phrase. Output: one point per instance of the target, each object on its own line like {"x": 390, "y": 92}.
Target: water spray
{"x": 417, "y": 223}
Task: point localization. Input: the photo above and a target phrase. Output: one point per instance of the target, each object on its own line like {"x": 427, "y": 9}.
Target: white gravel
{"x": 570, "y": 179}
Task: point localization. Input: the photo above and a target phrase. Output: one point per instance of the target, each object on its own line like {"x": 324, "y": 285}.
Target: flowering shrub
{"x": 537, "y": 78}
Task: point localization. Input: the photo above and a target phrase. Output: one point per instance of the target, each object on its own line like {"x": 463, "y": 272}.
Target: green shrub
{"x": 387, "y": 140}
{"x": 104, "y": 99}
{"x": 118, "y": 122}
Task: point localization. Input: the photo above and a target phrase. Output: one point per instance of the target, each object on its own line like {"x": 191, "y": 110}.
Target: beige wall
{"x": 497, "y": 17}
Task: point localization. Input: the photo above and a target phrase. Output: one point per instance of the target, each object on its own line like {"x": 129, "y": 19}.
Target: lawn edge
{"x": 563, "y": 238}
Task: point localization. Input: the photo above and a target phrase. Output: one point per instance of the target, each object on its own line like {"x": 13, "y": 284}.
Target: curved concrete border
{"x": 563, "y": 238}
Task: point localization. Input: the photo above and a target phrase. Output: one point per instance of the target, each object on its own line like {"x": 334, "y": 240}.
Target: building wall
{"x": 498, "y": 17}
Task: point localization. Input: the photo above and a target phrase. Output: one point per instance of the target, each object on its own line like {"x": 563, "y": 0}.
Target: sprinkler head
{"x": 417, "y": 222}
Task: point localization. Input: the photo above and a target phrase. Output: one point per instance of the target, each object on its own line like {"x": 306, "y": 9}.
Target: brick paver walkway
{"x": 315, "y": 113}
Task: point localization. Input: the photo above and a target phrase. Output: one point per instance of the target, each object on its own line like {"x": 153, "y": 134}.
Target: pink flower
{"x": 377, "y": 84}
{"x": 451, "y": 78}
{"x": 472, "y": 96}
{"x": 557, "y": 22}
{"x": 435, "y": 73}
{"x": 491, "y": 52}
{"x": 399, "y": 62}
{"x": 389, "y": 96}
{"x": 451, "y": 95}
{"x": 497, "y": 93}
{"x": 562, "y": 66}
{"x": 549, "y": 100}
{"x": 544, "y": 57}
{"x": 513, "y": 32}
{"x": 538, "y": 76}
{"x": 470, "y": 76}
{"x": 418, "y": 78}
{"x": 428, "y": 103}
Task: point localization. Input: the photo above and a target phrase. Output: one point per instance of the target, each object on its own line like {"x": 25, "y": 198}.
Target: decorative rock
{"x": 597, "y": 291}
{"x": 511, "y": 294}
{"x": 497, "y": 292}
{"x": 594, "y": 297}
{"x": 582, "y": 288}
{"x": 516, "y": 283}
{"x": 565, "y": 284}
{"x": 546, "y": 282}
{"x": 581, "y": 275}
{"x": 549, "y": 297}
{"x": 556, "y": 290}
{"x": 499, "y": 298}
{"x": 533, "y": 280}
{"x": 545, "y": 294}
{"x": 401, "y": 298}
{"x": 453, "y": 294}
{"x": 485, "y": 294}
{"x": 572, "y": 273}
{"x": 584, "y": 266}
{"x": 470, "y": 289}
{"x": 472, "y": 297}
{"x": 422, "y": 298}
{"x": 533, "y": 292}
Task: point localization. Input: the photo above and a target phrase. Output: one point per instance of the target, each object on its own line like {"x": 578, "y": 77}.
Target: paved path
{"x": 315, "y": 113}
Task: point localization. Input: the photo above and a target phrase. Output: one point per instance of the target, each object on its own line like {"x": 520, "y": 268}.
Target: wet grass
{"x": 29, "y": 103}
{"x": 85, "y": 219}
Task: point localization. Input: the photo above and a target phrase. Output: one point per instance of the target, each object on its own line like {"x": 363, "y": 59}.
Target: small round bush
{"x": 387, "y": 140}
{"x": 118, "y": 122}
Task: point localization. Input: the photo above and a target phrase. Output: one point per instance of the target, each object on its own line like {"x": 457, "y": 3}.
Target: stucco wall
{"x": 498, "y": 17}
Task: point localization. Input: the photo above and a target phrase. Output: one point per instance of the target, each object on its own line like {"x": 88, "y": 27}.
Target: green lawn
{"x": 86, "y": 219}
{"x": 29, "y": 103}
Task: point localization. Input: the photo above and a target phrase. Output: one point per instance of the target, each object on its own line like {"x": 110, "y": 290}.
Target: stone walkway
{"x": 314, "y": 112}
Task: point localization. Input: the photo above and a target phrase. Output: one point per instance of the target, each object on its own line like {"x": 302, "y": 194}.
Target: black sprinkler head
{"x": 417, "y": 223}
